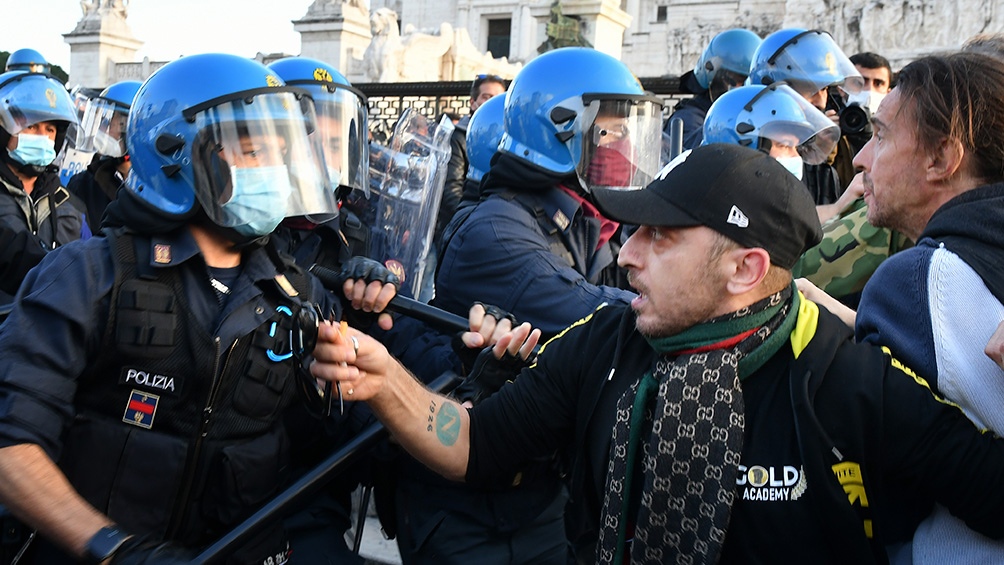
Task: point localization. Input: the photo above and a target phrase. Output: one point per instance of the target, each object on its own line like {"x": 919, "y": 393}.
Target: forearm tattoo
{"x": 445, "y": 422}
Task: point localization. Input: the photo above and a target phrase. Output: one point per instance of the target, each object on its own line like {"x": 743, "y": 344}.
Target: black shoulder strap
{"x": 548, "y": 225}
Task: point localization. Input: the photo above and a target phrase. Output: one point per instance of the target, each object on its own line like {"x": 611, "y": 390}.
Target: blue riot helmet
{"x": 808, "y": 60}
{"x": 103, "y": 127}
{"x": 227, "y": 145}
{"x": 27, "y": 60}
{"x": 731, "y": 50}
{"x": 27, "y": 100}
{"x": 341, "y": 112}
{"x": 578, "y": 111}
{"x": 770, "y": 117}
{"x": 483, "y": 135}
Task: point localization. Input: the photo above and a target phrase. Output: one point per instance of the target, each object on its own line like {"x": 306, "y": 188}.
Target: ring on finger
{"x": 355, "y": 345}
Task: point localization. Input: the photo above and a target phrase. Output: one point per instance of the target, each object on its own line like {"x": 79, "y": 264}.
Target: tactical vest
{"x": 176, "y": 434}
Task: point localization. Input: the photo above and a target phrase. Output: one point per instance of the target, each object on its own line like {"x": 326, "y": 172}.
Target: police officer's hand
{"x": 141, "y": 550}
{"x": 995, "y": 347}
{"x": 369, "y": 286}
{"x": 355, "y": 361}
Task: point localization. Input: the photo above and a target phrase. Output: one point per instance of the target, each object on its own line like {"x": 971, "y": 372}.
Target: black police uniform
{"x": 159, "y": 397}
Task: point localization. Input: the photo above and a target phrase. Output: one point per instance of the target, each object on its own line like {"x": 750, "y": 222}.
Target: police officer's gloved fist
{"x": 369, "y": 287}
{"x": 488, "y": 375}
{"x": 142, "y": 550}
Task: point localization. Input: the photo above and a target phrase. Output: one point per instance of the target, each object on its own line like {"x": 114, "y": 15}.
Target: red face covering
{"x": 609, "y": 165}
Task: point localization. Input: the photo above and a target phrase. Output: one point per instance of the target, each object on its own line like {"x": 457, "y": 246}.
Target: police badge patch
{"x": 141, "y": 409}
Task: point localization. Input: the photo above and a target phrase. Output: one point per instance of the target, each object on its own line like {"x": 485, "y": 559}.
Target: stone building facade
{"x": 454, "y": 37}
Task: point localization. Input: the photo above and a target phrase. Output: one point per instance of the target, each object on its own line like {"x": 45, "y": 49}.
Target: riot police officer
{"x": 484, "y": 132}
{"x": 144, "y": 374}
{"x": 812, "y": 64}
{"x": 102, "y": 132}
{"x": 535, "y": 245}
{"x": 35, "y": 112}
{"x": 27, "y": 60}
{"x": 774, "y": 119}
{"x": 723, "y": 65}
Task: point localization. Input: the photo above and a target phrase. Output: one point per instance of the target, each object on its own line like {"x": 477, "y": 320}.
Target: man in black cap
{"x": 720, "y": 417}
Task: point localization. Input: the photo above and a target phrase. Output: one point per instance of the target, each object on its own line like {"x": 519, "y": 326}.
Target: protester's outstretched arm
{"x": 433, "y": 428}
{"x": 854, "y": 191}
{"x": 813, "y": 293}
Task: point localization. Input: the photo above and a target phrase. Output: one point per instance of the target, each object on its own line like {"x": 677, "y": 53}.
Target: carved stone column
{"x": 336, "y": 32}
{"x": 101, "y": 39}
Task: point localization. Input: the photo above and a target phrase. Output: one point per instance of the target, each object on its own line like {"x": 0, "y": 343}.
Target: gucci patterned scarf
{"x": 679, "y": 436}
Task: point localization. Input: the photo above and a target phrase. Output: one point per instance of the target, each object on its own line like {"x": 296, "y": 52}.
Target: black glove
{"x": 488, "y": 375}
{"x": 142, "y": 550}
{"x": 368, "y": 270}
{"x": 497, "y": 313}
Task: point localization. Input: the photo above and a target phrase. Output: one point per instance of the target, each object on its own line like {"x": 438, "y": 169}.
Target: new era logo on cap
{"x": 736, "y": 217}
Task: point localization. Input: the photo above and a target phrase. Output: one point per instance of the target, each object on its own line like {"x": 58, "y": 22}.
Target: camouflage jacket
{"x": 849, "y": 253}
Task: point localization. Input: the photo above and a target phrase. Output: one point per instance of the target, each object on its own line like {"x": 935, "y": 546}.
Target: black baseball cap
{"x": 741, "y": 193}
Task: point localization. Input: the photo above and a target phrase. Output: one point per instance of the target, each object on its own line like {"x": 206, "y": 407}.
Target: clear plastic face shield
{"x": 341, "y": 129}
{"x": 793, "y": 126}
{"x": 103, "y": 128}
{"x": 255, "y": 162}
{"x": 621, "y": 141}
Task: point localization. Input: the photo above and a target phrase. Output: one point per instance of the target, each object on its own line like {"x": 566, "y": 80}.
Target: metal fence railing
{"x": 388, "y": 100}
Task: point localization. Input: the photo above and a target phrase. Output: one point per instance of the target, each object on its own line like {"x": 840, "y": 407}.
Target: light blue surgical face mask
{"x": 259, "y": 200}
{"x": 33, "y": 149}
{"x": 793, "y": 164}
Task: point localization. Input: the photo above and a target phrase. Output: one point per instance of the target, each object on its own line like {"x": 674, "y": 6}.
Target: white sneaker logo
{"x": 737, "y": 217}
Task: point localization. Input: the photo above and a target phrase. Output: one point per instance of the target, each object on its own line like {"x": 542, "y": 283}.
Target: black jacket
{"x": 96, "y": 187}
{"x": 456, "y": 174}
{"x": 42, "y": 221}
{"x": 845, "y": 418}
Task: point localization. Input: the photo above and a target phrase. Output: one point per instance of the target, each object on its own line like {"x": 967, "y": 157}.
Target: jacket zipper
{"x": 207, "y": 412}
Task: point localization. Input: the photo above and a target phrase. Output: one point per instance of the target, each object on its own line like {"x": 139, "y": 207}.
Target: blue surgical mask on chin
{"x": 259, "y": 200}
{"x": 33, "y": 149}
{"x": 793, "y": 164}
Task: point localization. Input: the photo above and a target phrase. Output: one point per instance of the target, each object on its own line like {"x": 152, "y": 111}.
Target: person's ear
{"x": 747, "y": 268}
{"x": 945, "y": 161}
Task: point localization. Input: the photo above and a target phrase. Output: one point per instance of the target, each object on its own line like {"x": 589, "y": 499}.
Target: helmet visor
{"x": 31, "y": 98}
{"x": 103, "y": 128}
{"x": 341, "y": 129}
{"x": 254, "y": 156}
{"x": 622, "y": 142}
{"x": 780, "y": 114}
